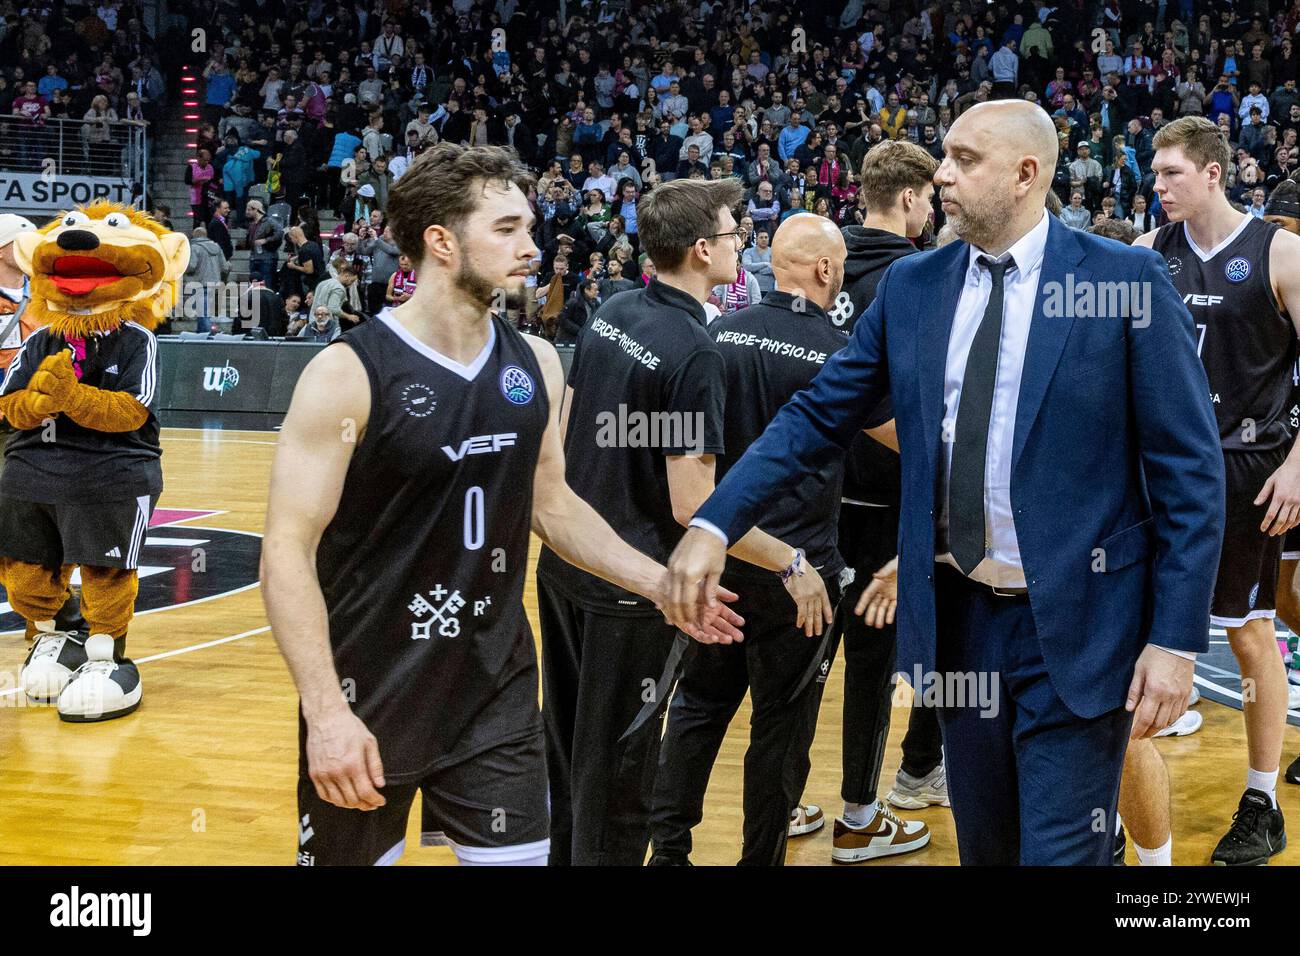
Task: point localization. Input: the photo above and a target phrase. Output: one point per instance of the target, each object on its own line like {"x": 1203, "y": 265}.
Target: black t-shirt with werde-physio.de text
{"x": 647, "y": 383}
{"x": 771, "y": 351}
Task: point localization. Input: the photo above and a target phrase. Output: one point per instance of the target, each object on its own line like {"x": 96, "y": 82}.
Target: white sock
{"x": 1161, "y": 856}
{"x": 1267, "y": 782}
{"x": 1118, "y": 823}
{"x": 859, "y": 815}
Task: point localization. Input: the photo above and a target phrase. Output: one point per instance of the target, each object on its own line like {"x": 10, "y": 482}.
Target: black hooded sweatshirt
{"x": 871, "y": 471}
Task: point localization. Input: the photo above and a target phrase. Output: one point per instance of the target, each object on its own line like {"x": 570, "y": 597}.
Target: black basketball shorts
{"x": 491, "y": 808}
{"x": 1246, "y": 587}
{"x": 107, "y": 534}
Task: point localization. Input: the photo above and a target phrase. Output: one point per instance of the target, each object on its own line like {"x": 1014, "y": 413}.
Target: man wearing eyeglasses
{"x": 642, "y": 424}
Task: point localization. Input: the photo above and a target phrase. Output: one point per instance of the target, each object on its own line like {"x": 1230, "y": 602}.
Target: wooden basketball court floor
{"x": 204, "y": 772}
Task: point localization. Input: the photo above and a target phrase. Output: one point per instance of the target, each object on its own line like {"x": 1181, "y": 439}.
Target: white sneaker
{"x": 1195, "y": 697}
{"x": 917, "y": 793}
{"x": 50, "y": 664}
{"x": 804, "y": 819}
{"x": 885, "y": 835}
{"x": 101, "y": 688}
{"x": 1293, "y": 697}
{"x": 1184, "y": 726}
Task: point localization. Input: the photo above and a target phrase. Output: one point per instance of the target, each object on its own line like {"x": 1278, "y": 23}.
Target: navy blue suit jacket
{"x": 1117, "y": 483}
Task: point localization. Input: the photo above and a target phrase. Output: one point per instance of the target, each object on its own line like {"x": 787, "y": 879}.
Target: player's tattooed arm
{"x": 577, "y": 533}
{"x": 1282, "y": 489}
{"x": 327, "y": 415}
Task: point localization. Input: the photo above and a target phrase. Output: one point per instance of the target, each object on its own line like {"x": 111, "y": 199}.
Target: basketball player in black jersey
{"x": 1237, "y": 275}
{"x": 413, "y": 461}
{"x": 1283, "y": 208}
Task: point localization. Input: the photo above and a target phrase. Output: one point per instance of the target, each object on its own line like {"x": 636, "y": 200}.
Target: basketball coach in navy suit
{"x": 1063, "y": 493}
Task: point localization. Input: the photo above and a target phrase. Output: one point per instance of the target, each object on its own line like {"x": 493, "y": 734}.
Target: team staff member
{"x": 1240, "y": 278}
{"x": 770, "y": 350}
{"x": 997, "y": 570}
{"x": 15, "y": 328}
{"x": 644, "y": 421}
{"x": 896, "y": 177}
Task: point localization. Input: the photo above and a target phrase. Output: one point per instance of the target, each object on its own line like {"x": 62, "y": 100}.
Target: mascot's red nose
{"x": 81, "y": 275}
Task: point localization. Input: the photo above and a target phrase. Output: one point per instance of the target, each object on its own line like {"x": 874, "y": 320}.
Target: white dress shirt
{"x": 1001, "y": 565}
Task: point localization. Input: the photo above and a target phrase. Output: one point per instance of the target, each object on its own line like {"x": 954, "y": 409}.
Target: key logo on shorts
{"x": 1254, "y": 594}
{"x": 440, "y": 611}
{"x": 516, "y": 385}
{"x": 419, "y": 400}
{"x": 1237, "y": 270}
{"x": 1175, "y": 265}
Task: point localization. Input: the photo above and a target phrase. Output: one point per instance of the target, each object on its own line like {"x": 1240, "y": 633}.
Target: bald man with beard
{"x": 770, "y": 351}
{"x": 1063, "y": 495}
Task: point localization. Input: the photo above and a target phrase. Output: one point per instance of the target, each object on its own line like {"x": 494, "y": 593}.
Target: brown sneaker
{"x": 886, "y": 835}
{"x": 805, "y": 818}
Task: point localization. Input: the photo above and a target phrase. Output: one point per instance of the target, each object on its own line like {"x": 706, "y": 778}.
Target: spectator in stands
{"x": 401, "y": 284}
{"x": 615, "y": 282}
{"x": 578, "y": 312}
{"x": 757, "y": 261}
{"x": 339, "y": 294}
{"x": 295, "y": 315}
{"x": 207, "y": 271}
{"x": 236, "y": 163}
{"x": 261, "y": 307}
{"x": 35, "y": 110}
{"x": 303, "y": 270}
{"x": 199, "y": 175}
{"x": 263, "y": 241}
{"x": 324, "y": 327}
{"x": 1076, "y": 215}
{"x": 219, "y": 227}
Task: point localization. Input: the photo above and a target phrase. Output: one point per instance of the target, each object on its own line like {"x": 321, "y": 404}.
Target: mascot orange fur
{"x": 83, "y": 472}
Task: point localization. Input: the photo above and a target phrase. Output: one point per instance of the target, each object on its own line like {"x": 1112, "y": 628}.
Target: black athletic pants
{"x": 784, "y": 671}
{"x": 606, "y": 680}
{"x": 868, "y": 538}
{"x": 69, "y": 617}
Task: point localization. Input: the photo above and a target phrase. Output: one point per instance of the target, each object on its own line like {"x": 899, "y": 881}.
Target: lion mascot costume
{"x": 83, "y": 472}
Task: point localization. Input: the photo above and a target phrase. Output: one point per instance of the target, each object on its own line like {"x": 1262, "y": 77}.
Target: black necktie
{"x": 966, "y": 518}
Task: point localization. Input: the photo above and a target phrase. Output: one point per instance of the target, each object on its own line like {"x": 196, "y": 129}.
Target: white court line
{"x": 222, "y": 441}
{"x": 184, "y": 650}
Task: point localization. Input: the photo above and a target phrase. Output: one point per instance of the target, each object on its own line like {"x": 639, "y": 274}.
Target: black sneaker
{"x": 1293, "y": 771}
{"x": 1257, "y": 833}
{"x": 1118, "y": 858}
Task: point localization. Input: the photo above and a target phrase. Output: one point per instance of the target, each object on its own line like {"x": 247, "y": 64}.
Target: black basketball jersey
{"x": 422, "y": 567}
{"x": 72, "y": 464}
{"x": 1248, "y": 347}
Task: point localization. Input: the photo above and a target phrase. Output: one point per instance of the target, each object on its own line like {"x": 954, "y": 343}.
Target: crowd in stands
{"x": 93, "y": 63}
{"x": 314, "y": 108}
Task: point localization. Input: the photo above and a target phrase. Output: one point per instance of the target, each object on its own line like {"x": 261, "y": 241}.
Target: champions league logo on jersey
{"x": 419, "y": 400}
{"x": 1237, "y": 270}
{"x": 1175, "y": 265}
{"x": 516, "y": 385}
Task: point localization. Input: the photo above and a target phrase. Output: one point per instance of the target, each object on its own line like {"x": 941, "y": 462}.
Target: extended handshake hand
{"x": 690, "y": 596}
